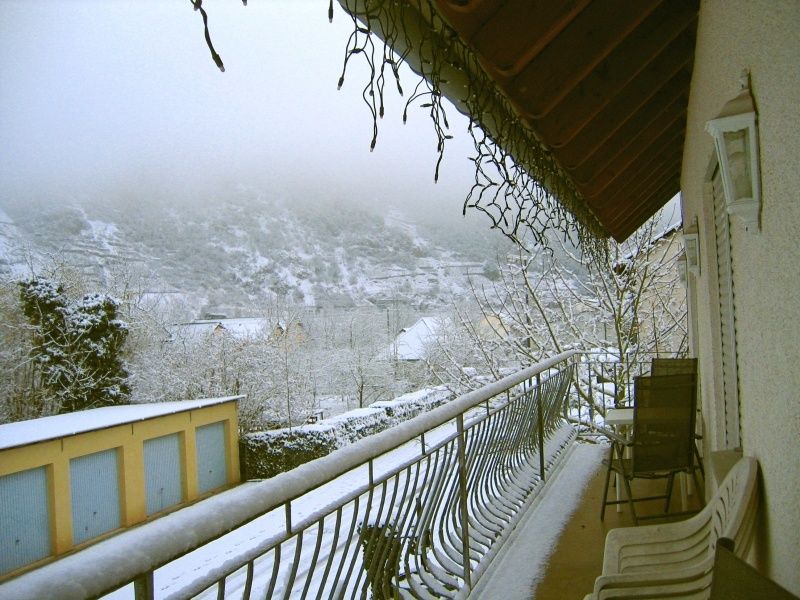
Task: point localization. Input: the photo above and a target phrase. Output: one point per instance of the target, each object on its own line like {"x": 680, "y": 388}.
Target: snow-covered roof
{"x": 193, "y": 330}
{"x": 32, "y": 431}
{"x": 245, "y": 327}
{"x": 664, "y": 234}
{"x": 412, "y": 341}
{"x": 242, "y": 328}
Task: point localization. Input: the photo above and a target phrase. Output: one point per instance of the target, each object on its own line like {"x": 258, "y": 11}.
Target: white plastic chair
{"x": 676, "y": 559}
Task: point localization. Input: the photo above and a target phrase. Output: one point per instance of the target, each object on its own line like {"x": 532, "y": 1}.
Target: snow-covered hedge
{"x": 267, "y": 453}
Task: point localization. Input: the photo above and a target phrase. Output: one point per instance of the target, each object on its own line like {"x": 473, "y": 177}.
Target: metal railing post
{"x": 462, "y": 499}
{"x": 566, "y": 395}
{"x": 575, "y": 376}
{"x": 540, "y": 413}
{"x": 143, "y": 587}
{"x": 591, "y": 391}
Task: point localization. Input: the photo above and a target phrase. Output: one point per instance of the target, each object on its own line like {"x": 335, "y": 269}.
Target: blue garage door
{"x": 94, "y": 487}
{"x": 211, "y": 464}
{"x": 162, "y": 472}
{"x": 24, "y": 518}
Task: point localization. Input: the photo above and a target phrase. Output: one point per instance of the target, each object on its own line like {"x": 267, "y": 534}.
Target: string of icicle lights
{"x": 516, "y": 180}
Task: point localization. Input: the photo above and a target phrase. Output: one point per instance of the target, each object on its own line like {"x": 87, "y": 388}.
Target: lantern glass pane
{"x": 692, "y": 251}
{"x": 737, "y": 149}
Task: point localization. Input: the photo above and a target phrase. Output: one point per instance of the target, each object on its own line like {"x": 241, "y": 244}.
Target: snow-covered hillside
{"x": 244, "y": 248}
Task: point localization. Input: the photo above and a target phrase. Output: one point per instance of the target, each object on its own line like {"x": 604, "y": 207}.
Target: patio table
{"x": 621, "y": 420}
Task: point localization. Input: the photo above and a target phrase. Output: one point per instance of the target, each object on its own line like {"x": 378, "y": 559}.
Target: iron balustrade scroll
{"x": 417, "y": 511}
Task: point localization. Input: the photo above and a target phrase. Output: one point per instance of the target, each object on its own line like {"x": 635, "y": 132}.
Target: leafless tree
{"x": 623, "y": 306}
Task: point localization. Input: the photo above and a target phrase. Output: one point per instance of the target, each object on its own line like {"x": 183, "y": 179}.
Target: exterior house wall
{"x": 128, "y": 440}
{"x": 761, "y": 36}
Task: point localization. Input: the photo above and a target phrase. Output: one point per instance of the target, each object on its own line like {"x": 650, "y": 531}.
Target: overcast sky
{"x": 99, "y": 94}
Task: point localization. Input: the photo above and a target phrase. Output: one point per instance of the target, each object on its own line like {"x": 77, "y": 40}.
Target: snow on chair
{"x": 676, "y": 560}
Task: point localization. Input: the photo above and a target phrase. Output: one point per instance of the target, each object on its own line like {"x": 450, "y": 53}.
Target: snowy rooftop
{"x": 22, "y": 433}
{"x": 412, "y": 341}
{"x": 241, "y": 328}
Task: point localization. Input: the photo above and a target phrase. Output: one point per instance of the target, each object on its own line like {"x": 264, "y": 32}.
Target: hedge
{"x": 264, "y": 454}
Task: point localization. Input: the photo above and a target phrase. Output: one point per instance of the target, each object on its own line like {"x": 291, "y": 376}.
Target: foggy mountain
{"x": 237, "y": 249}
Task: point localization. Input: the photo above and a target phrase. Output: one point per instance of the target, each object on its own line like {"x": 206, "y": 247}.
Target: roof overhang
{"x": 589, "y": 96}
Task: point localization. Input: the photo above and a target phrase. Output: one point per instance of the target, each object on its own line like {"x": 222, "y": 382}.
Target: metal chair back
{"x": 673, "y": 366}
{"x": 663, "y": 427}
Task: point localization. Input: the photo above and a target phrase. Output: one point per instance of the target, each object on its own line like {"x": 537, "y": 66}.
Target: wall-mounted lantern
{"x": 691, "y": 248}
{"x": 735, "y": 133}
{"x": 681, "y": 266}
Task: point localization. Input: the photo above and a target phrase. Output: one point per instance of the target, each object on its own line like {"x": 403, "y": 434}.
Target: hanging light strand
{"x": 198, "y": 6}
{"x": 516, "y": 179}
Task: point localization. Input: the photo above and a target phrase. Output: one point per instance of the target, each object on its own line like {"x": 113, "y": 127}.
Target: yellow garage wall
{"x": 129, "y": 440}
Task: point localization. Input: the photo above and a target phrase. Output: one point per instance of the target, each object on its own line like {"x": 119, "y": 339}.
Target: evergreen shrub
{"x": 264, "y": 454}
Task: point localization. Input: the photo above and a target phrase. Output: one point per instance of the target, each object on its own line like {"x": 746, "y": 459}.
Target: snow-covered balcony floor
{"x": 556, "y": 551}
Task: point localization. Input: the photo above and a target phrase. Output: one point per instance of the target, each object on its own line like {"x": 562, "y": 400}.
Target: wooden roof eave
{"x": 459, "y": 73}
{"x": 583, "y": 97}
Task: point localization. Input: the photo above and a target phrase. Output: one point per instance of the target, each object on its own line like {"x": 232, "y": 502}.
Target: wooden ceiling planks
{"x": 602, "y": 83}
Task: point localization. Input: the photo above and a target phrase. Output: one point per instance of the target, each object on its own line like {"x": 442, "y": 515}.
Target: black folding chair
{"x": 673, "y": 366}
{"x": 678, "y": 366}
{"x": 663, "y": 437}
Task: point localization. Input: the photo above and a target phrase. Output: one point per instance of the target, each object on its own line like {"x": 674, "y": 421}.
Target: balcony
{"x": 567, "y": 568}
{"x": 444, "y": 505}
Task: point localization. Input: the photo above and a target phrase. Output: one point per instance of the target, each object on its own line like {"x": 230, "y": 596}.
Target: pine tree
{"x": 43, "y": 304}
{"x": 76, "y": 345}
{"x": 97, "y": 336}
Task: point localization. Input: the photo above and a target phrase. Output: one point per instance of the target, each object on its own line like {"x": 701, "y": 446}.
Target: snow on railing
{"x": 416, "y": 511}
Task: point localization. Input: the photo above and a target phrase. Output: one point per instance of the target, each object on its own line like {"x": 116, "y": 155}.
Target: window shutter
{"x": 727, "y": 314}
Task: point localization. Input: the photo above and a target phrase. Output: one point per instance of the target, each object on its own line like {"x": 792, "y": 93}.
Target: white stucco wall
{"x": 763, "y": 36}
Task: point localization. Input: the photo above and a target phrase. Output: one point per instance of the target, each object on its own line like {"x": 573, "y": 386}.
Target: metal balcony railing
{"x": 417, "y": 511}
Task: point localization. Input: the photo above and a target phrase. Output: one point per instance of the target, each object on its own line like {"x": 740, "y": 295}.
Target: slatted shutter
{"x": 727, "y": 314}
{"x": 95, "y": 495}
{"x": 211, "y": 457}
{"x": 24, "y": 519}
{"x": 163, "y": 473}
